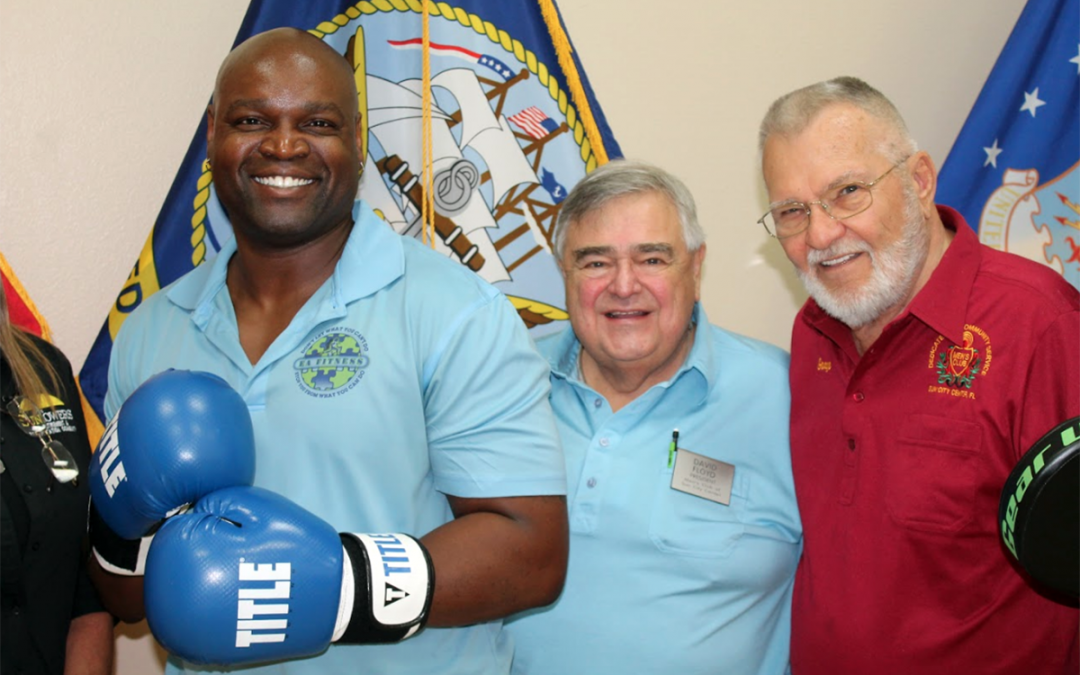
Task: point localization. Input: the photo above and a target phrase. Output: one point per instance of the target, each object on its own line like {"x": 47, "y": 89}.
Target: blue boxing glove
{"x": 247, "y": 576}
{"x": 181, "y": 435}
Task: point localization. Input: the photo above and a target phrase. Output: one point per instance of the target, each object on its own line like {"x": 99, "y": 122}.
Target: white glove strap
{"x": 140, "y": 564}
{"x": 386, "y": 596}
{"x": 348, "y": 593}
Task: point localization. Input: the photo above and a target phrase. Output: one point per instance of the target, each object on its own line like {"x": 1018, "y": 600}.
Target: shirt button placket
{"x": 603, "y": 442}
{"x": 852, "y": 426}
{"x": 586, "y": 500}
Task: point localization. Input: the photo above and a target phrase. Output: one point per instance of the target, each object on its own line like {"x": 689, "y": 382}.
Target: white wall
{"x": 98, "y": 101}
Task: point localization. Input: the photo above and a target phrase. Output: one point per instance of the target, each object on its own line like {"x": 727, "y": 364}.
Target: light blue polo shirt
{"x": 403, "y": 379}
{"x": 661, "y": 581}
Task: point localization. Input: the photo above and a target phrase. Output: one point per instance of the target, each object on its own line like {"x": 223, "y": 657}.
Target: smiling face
{"x": 282, "y": 139}
{"x": 631, "y": 285}
{"x": 865, "y": 267}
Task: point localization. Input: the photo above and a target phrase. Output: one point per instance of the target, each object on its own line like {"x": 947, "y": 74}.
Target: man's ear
{"x": 924, "y": 173}
{"x": 697, "y": 263}
{"x": 209, "y": 125}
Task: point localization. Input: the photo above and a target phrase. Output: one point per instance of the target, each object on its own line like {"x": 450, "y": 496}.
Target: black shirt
{"x": 43, "y": 580}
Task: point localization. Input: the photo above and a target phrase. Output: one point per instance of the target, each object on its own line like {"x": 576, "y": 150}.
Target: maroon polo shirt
{"x": 899, "y": 459}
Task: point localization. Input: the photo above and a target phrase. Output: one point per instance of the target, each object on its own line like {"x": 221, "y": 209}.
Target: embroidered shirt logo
{"x": 824, "y": 366}
{"x": 957, "y": 367}
{"x": 333, "y": 362}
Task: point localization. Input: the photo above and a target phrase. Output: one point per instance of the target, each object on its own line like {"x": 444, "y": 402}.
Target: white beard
{"x": 892, "y": 276}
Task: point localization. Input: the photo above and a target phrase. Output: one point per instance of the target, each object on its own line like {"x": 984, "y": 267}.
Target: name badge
{"x": 703, "y": 477}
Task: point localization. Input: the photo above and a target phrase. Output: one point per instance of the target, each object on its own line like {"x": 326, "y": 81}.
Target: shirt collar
{"x": 372, "y": 259}
{"x": 700, "y": 363}
{"x": 941, "y": 303}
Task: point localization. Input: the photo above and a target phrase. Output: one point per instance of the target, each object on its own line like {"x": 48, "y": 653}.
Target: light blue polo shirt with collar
{"x": 403, "y": 379}
{"x": 661, "y": 581}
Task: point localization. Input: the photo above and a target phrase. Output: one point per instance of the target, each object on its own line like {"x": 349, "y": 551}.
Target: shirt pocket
{"x": 684, "y": 524}
{"x": 932, "y": 474}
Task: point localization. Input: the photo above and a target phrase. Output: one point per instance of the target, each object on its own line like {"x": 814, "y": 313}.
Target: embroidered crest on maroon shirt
{"x": 957, "y": 367}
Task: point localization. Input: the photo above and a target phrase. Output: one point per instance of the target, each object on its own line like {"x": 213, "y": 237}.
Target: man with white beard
{"x": 923, "y": 366}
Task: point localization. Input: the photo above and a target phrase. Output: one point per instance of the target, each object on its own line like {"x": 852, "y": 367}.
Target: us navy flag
{"x": 1013, "y": 171}
{"x": 497, "y": 188}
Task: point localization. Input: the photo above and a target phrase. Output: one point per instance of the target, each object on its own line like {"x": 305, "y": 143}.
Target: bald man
{"x": 441, "y": 429}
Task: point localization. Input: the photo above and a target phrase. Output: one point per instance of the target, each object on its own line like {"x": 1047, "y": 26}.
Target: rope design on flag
{"x": 564, "y": 52}
{"x": 198, "y": 219}
{"x": 586, "y": 134}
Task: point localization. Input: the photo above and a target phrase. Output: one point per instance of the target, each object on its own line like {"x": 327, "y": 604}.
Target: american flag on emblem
{"x": 534, "y": 122}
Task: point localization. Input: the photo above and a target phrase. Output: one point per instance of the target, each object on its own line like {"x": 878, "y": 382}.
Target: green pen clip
{"x": 673, "y": 447}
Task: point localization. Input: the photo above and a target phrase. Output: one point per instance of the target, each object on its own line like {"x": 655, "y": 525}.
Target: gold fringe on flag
{"x": 428, "y": 208}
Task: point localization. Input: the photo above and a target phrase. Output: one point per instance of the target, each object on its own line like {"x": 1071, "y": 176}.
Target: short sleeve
{"x": 1052, "y": 388}
{"x": 491, "y": 431}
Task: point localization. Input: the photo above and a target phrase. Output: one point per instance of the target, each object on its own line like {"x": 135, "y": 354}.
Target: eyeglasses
{"x": 31, "y": 420}
{"x": 790, "y": 218}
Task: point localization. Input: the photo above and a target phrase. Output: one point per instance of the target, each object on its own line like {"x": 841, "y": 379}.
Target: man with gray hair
{"x": 923, "y": 366}
{"x": 684, "y": 528}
